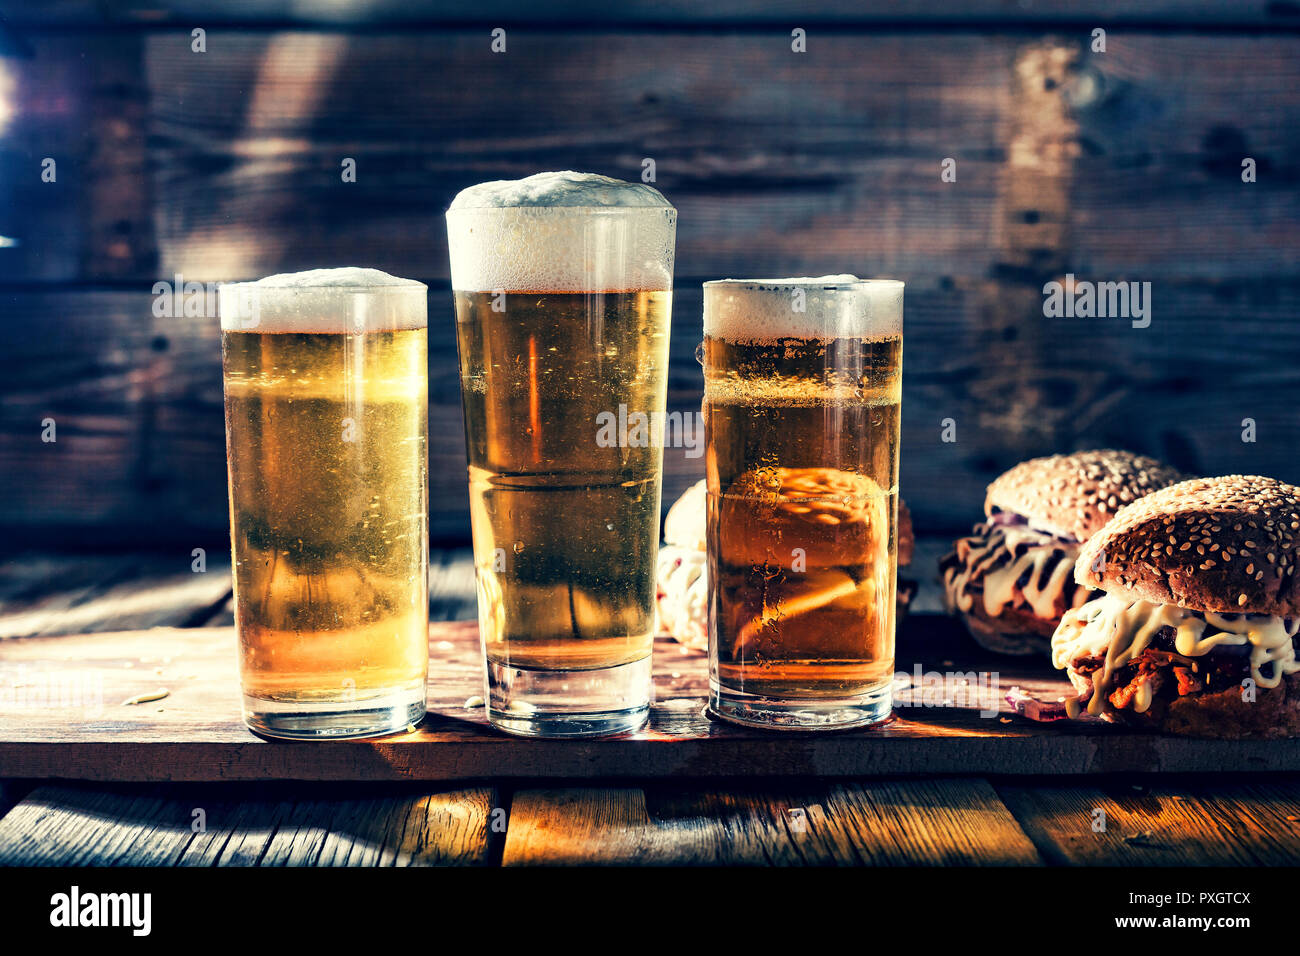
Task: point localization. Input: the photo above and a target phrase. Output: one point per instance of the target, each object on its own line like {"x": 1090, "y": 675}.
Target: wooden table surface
{"x": 995, "y": 815}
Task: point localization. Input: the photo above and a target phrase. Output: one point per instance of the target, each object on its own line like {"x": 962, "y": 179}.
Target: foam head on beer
{"x": 561, "y": 232}
{"x": 351, "y": 299}
{"x": 816, "y": 307}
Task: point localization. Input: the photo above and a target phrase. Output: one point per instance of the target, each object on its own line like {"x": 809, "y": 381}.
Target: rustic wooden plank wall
{"x": 1123, "y": 165}
{"x": 1197, "y": 13}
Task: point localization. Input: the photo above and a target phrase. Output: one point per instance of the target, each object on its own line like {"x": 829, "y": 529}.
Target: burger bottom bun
{"x": 1014, "y": 631}
{"x": 1274, "y": 714}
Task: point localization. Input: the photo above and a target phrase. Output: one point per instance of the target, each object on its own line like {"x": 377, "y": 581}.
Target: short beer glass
{"x": 326, "y": 386}
{"x": 563, "y": 292}
{"x": 801, "y": 393}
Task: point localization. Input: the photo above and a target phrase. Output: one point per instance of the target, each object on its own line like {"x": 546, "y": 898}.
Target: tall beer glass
{"x": 801, "y": 393}
{"x": 326, "y": 408}
{"x": 563, "y": 295}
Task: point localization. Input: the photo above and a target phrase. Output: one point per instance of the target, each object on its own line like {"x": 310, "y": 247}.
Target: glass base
{"x": 568, "y": 703}
{"x": 335, "y": 720}
{"x": 808, "y": 714}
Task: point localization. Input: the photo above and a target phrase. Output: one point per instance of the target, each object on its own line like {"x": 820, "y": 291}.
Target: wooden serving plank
{"x": 944, "y": 822}
{"x": 76, "y": 826}
{"x": 61, "y": 715}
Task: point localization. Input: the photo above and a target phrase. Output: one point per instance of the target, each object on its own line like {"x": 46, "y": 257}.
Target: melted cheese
{"x": 999, "y": 543}
{"x": 1122, "y": 629}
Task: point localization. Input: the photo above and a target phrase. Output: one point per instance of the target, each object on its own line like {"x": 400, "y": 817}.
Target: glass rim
{"x": 811, "y": 282}
{"x": 586, "y": 210}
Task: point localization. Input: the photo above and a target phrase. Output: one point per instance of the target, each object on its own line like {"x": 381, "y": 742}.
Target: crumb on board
{"x": 158, "y": 694}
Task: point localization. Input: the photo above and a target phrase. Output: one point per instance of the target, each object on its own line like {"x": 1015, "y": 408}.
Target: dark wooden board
{"x": 195, "y": 733}
{"x": 952, "y": 822}
{"x": 1169, "y": 822}
{"x": 919, "y": 822}
{"x": 188, "y": 826}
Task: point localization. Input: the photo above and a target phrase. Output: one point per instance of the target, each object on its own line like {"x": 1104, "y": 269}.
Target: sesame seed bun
{"x": 1075, "y": 495}
{"x": 1226, "y": 545}
{"x": 1066, "y": 497}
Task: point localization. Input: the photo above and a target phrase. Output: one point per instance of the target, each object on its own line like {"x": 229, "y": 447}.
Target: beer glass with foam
{"x": 563, "y": 290}
{"x": 326, "y": 389}
{"x": 802, "y": 395}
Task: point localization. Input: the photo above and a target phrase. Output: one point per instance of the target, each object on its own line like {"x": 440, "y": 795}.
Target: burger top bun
{"x": 1228, "y": 545}
{"x": 1076, "y": 495}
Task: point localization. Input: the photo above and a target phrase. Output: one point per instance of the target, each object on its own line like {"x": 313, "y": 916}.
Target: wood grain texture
{"x": 215, "y": 826}
{"x": 61, "y": 715}
{"x": 62, "y": 594}
{"x": 152, "y": 15}
{"x": 916, "y": 823}
{"x": 765, "y": 154}
{"x": 1123, "y": 165}
{"x": 778, "y": 162}
{"x": 1174, "y": 822}
{"x": 137, "y": 405}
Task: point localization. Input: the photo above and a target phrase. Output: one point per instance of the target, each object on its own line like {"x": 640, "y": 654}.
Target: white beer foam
{"x": 561, "y": 232}
{"x": 350, "y": 299}
{"x": 834, "y": 306}
{"x": 559, "y": 189}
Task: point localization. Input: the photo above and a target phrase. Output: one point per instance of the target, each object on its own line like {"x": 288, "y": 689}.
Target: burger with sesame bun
{"x": 1012, "y": 578}
{"x": 1195, "y": 632}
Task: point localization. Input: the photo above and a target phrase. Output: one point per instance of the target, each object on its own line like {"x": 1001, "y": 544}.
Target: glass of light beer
{"x": 801, "y": 396}
{"x": 326, "y": 388}
{"x": 563, "y": 292}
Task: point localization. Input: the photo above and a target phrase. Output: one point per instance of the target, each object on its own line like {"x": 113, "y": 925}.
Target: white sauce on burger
{"x": 1122, "y": 629}
{"x": 1000, "y": 583}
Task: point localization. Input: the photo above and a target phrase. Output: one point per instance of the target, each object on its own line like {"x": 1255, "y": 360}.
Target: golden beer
{"x": 326, "y": 410}
{"x": 563, "y": 299}
{"x": 564, "y": 527}
{"x": 802, "y": 430}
